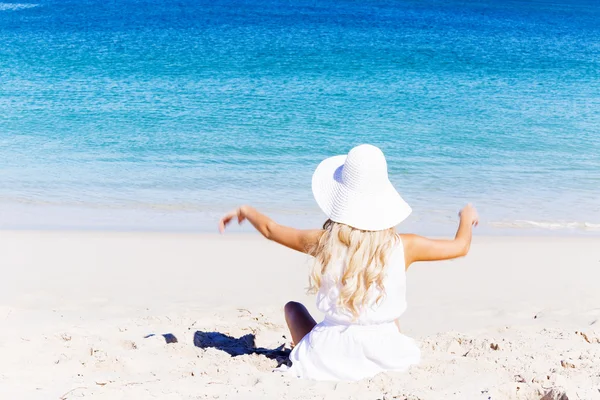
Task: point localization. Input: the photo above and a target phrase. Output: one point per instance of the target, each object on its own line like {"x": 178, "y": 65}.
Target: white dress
{"x": 340, "y": 348}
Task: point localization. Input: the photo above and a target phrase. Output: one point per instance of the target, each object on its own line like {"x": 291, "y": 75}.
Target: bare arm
{"x": 418, "y": 248}
{"x": 297, "y": 239}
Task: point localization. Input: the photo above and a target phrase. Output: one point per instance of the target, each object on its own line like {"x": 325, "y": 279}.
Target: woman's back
{"x": 389, "y": 307}
{"x": 351, "y": 346}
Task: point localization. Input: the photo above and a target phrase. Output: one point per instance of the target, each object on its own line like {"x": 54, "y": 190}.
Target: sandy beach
{"x": 186, "y": 316}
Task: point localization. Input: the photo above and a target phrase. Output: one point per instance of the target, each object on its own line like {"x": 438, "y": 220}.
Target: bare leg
{"x": 397, "y": 321}
{"x": 299, "y": 320}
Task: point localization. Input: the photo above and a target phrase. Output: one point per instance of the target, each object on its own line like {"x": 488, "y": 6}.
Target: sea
{"x": 163, "y": 115}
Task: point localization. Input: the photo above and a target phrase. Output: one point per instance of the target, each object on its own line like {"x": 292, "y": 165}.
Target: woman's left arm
{"x": 297, "y": 239}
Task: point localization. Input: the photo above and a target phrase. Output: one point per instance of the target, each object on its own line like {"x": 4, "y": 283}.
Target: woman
{"x": 359, "y": 269}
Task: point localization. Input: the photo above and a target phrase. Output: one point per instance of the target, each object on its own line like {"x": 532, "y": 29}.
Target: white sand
{"x": 75, "y": 308}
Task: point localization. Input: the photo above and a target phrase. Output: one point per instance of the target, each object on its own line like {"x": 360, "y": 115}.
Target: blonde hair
{"x": 365, "y": 261}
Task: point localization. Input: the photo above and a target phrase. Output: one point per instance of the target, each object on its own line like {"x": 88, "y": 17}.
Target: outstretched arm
{"x": 297, "y": 239}
{"x": 419, "y": 248}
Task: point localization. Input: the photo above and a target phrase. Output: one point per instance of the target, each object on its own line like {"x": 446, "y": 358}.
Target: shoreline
{"x": 248, "y": 231}
{"x": 22, "y": 217}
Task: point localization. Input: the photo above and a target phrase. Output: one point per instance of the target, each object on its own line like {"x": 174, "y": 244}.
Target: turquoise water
{"x": 163, "y": 115}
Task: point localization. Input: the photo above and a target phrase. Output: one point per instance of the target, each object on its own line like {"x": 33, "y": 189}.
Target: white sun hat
{"x": 355, "y": 190}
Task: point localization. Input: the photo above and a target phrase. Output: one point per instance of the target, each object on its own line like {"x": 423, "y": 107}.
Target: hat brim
{"x": 369, "y": 211}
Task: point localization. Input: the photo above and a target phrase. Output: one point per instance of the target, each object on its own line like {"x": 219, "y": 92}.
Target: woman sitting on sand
{"x": 359, "y": 269}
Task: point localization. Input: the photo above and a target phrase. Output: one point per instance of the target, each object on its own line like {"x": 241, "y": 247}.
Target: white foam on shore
{"x": 16, "y": 6}
{"x": 551, "y": 225}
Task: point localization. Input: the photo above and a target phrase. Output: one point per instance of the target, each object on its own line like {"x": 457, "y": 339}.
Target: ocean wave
{"x": 551, "y": 225}
{"x": 16, "y": 6}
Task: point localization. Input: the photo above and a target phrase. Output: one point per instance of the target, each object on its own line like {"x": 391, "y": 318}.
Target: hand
{"x": 238, "y": 212}
{"x": 469, "y": 215}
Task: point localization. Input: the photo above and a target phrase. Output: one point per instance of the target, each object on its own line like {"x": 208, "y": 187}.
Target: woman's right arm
{"x": 418, "y": 248}
{"x": 296, "y": 239}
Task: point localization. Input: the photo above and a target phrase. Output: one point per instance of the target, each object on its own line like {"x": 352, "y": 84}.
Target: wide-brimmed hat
{"x": 355, "y": 190}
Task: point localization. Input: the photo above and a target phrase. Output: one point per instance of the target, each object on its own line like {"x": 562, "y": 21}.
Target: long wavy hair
{"x": 365, "y": 256}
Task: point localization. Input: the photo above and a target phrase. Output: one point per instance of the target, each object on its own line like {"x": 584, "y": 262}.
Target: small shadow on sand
{"x": 169, "y": 337}
{"x": 239, "y": 346}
